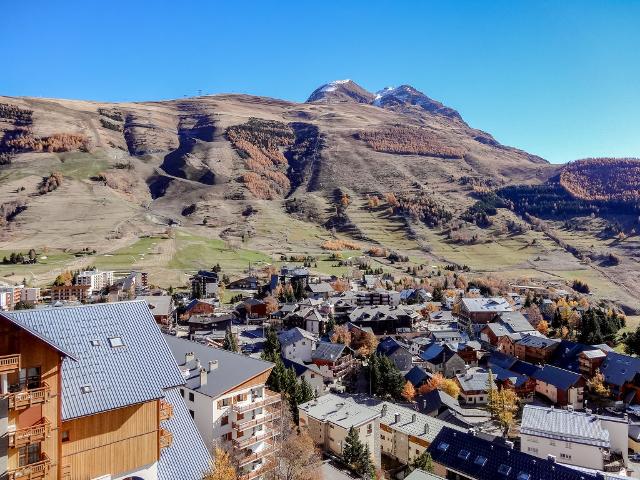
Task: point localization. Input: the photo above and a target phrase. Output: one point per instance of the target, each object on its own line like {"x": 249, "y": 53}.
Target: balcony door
{"x": 29, "y": 454}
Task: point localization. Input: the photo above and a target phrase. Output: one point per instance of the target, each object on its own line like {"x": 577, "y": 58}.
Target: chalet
{"x": 466, "y": 456}
{"x": 590, "y": 361}
{"x": 318, "y": 381}
{"x": 397, "y": 352}
{"x": 442, "y": 359}
{"x": 334, "y": 359}
{"x": 567, "y": 355}
{"x": 254, "y": 309}
{"x": 245, "y": 283}
{"x": 197, "y": 307}
{"x": 447, "y": 335}
{"x": 297, "y": 344}
{"x": 482, "y": 310}
{"x": 535, "y": 349}
{"x": 417, "y": 376}
{"x": 474, "y": 386}
{"x": 161, "y": 307}
{"x": 442, "y": 316}
{"x": 382, "y": 319}
{"x": 622, "y": 375}
{"x": 219, "y": 323}
{"x": 75, "y": 408}
{"x": 512, "y": 325}
{"x": 319, "y": 290}
{"x": 415, "y": 295}
{"x": 562, "y": 387}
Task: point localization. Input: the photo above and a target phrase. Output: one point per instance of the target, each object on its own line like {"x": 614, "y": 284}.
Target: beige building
{"x": 329, "y": 418}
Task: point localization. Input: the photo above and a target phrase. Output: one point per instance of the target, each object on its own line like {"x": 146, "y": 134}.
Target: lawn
{"x": 127, "y": 257}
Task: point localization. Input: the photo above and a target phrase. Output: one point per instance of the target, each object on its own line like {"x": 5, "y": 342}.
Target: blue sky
{"x": 559, "y": 79}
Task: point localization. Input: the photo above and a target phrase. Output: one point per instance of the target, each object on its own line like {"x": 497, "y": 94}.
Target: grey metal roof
{"x": 565, "y": 425}
{"x": 295, "y": 335}
{"x": 328, "y": 351}
{"x": 232, "y": 370}
{"x": 474, "y": 380}
{"x": 340, "y": 411}
{"x": 493, "y": 304}
{"x": 424, "y": 426}
{"x": 119, "y": 376}
{"x": 187, "y": 458}
{"x": 158, "y": 304}
{"x": 418, "y": 474}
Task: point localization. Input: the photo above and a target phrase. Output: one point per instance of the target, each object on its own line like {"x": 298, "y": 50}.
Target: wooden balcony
{"x": 32, "y": 471}
{"x": 26, "y": 436}
{"x": 28, "y": 398}
{"x": 269, "y": 398}
{"x": 247, "y": 441}
{"x": 246, "y": 423}
{"x": 166, "y": 410}
{"x": 9, "y": 363}
{"x": 254, "y": 457}
{"x": 166, "y": 438}
{"x": 258, "y": 472}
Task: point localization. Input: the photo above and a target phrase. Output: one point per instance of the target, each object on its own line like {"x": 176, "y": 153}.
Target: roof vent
{"x": 426, "y": 429}
{"x": 414, "y": 417}
{"x": 384, "y": 409}
{"x": 509, "y": 444}
{"x": 213, "y": 364}
{"x": 397, "y": 418}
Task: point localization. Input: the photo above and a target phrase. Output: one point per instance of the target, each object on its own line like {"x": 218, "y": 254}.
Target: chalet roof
{"x": 232, "y": 368}
{"x": 417, "y": 375}
{"x": 328, "y": 351}
{"x": 294, "y": 335}
{"x": 564, "y": 425}
{"x": 618, "y": 368}
{"x": 121, "y": 354}
{"x": 567, "y": 355}
{"x": 187, "y": 457}
{"x": 320, "y": 287}
{"x": 475, "y": 380}
{"x": 482, "y": 460}
{"x": 300, "y": 368}
{"x": 535, "y": 341}
{"x": 438, "y": 354}
{"x": 418, "y": 474}
{"x": 558, "y": 377}
{"x": 390, "y": 345}
{"x": 158, "y": 304}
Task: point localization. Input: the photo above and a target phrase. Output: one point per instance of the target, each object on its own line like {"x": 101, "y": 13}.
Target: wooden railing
{"x": 241, "y": 425}
{"x": 26, "y": 436}
{"x": 28, "y": 398}
{"x": 9, "y": 363}
{"x": 269, "y": 398}
{"x": 244, "y": 442}
{"x": 166, "y": 438}
{"x": 32, "y": 471}
{"x": 166, "y": 410}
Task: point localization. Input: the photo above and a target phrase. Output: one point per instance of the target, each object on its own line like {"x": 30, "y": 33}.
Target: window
{"x": 532, "y": 450}
{"x": 226, "y": 402}
{"x": 442, "y": 446}
{"x": 524, "y": 476}
{"x": 331, "y": 426}
{"x": 95, "y": 342}
{"x": 191, "y": 397}
{"x": 565, "y": 455}
{"x": 504, "y": 469}
{"x": 116, "y": 342}
{"x": 229, "y": 436}
{"x": 29, "y": 377}
{"x": 86, "y": 389}
{"x": 225, "y": 420}
{"x": 464, "y": 454}
{"x": 182, "y": 392}
{"x": 552, "y": 443}
{"x": 192, "y": 413}
{"x": 65, "y": 435}
{"x": 369, "y": 429}
{"x": 29, "y": 454}
{"x": 480, "y": 460}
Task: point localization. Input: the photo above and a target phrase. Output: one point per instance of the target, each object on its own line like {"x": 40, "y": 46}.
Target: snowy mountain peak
{"x": 340, "y": 91}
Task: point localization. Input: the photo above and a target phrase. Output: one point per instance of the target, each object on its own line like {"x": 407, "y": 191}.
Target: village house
{"x": 561, "y": 387}
{"x": 442, "y": 359}
{"x": 245, "y": 283}
{"x": 226, "y": 396}
{"x": 297, "y": 344}
{"x": 74, "y": 407}
{"x": 474, "y": 386}
{"x": 161, "y": 307}
{"x": 329, "y": 418}
{"x": 482, "y": 310}
{"x": 404, "y": 433}
{"x": 383, "y": 319}
{"x": 198, "y": 307}
{"x": 319, "y": 291}
{"x": 535, "y": 349}
{"x": 575, "y": 438}
{"x": 417, "y": 376}
{"x": 253, "y": 309}
{"x": 319, "y": 382}
{"x": 622, "y": 376}
{"x": 335, "y": 360}
{"x": 397, "y": 352}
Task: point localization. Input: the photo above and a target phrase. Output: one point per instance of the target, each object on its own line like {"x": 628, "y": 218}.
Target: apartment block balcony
{"x": 254, "y": 457}
{"x": 247, "y": 441}
{"x": 258, "y": 472}
{"x": 9, "y": 363}
{"x": 33, "y": 471}
{"x": 166, "y": 438}
{"x": 246, "y": 423}
{"x": 166, "y": 410}
{"x": 26, "y": 436}
{"x": 29, "y": 397}
{"x": 269, "y": 398}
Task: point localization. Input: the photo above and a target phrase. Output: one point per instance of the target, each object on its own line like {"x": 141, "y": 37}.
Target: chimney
{"x": 472, "y": 431}
{"x": 397, "y": 418}
{"x": 509, "y": 444}
{"x": 551, "y": 458}
{"x": 424, "y": 404}
{"x": 203, "y": 377}
{"x": 188, "y": 357}
{"x": 198, "y": 364}
{"x": 213, "y": 364}
{"x": 426, "y": 429}
{"x": 414, "y": 418}
{"x": 384, "y": 409}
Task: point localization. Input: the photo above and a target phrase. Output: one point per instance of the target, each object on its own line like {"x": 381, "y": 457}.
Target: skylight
{"x": 95, "y": 342}
{"x": 524, "y": 476}
{"x": 116, "y": 342}
{"x": 86, "y": 389}
{"x": 464, "y": 454}
{"x": 480, "y": 460}
{"x": 504, "y": 469}
{"x": 443, "y": 446}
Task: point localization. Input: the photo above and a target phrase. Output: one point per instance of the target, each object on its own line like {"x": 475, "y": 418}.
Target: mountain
{"x": 238, "y": 178}
{"x": 340, "y": 91}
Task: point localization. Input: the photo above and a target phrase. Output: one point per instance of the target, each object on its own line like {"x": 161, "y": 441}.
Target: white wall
{"x": 299, "y": 351}
{"x": 580, "y": 455}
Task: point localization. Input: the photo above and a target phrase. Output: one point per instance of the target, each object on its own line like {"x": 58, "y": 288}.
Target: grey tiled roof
{"x": 418, "y": 474}
{"x": 481, "y": 304}
{"x": 232, "y": 370}
{"x": 134, "y": 373}
{"x": 328, "y": 351}
{"x": 565, "y": 425}
{"x": 158, "y": 304}
{"x": 340, "y": 411}
{"x": 187, "y": 458}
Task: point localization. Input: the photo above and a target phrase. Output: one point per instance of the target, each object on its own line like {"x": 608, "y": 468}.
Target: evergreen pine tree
{"x": 353, "y": 448}
{"x": 230, "y": 343}
{"x": 331, "y": 323}
{"x": 364, "y": 465}
{"x": 276, "y": 379}
{"x": 271, "y": 350}
{"x": 423, "y": 462}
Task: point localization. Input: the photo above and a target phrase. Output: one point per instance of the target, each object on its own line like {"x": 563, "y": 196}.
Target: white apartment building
{"x": 10, "y": 295}
{"x": 329, "y": 418}
{"x": 97, "y": 280}
{"x": 226, "y": 396}
{"x": 575, "y": 438}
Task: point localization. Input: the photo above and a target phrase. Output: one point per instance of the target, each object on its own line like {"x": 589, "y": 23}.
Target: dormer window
{"x": 116, "y": 342}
